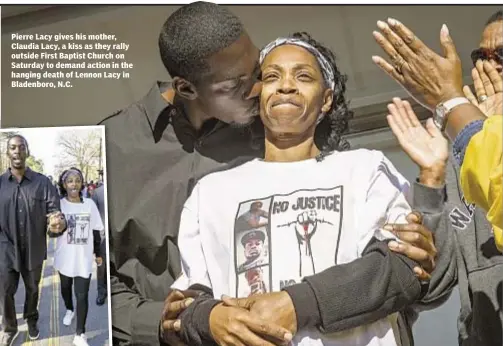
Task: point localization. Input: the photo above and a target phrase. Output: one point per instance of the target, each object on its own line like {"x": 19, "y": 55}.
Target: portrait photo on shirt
{"x": 252, "y": 235}
{"x": 53, "y": 218}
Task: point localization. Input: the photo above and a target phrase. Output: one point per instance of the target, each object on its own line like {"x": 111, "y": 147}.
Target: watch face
{"x": 440, "y": 111}
{"x": 438, "y": 119}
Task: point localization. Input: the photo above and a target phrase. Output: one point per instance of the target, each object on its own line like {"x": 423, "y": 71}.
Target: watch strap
{"x": 450, "y": 104}
{"x": 440, "y": 120}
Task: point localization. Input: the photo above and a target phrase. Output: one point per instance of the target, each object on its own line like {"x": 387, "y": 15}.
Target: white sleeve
{"x": 96, "y": 222}
{"x": 386, "y": 202}
{"x": 194, "y": 267}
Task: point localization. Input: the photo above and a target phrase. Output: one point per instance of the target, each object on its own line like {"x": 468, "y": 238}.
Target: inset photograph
{"x": 53, "y": 239}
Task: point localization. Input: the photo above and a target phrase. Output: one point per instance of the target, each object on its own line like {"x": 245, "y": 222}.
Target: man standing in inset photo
{"x": 29, "y": 209}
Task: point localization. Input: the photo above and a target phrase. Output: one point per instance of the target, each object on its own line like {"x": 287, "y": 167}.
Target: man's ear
{"x": 184, "y": 88}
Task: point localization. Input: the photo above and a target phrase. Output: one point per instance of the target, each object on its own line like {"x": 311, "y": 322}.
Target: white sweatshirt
{"x": 263, "y": 226}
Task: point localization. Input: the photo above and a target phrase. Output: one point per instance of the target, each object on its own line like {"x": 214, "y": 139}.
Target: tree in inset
{"x": 81, "y": 149}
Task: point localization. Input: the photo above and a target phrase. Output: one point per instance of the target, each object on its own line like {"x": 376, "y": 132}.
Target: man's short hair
{"x": 192, "y": 34}
{"x": 495, "y": 17}
{"x": 20, "y": 137}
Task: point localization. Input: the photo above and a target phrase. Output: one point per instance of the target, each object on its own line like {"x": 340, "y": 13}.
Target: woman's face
{"x": 293, "y": 92}
{"x": 73, "y": 185}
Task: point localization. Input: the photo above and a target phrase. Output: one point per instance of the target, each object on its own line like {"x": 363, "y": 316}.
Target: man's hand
{"x": 427, "y": 147}
{"x": 56, "y": 222}
{"x": 428, "y": 77}
{"x": 232, "y": 325}
{"x": 174, "y": 305}
{"x": 419, "y": 244}
{"x": 488, "y": 89}
{"x": 274, "y": 308}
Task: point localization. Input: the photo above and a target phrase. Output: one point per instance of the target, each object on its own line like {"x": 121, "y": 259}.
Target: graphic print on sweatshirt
{"x": 78, "y": 228}
{"x": 280, "y": 239}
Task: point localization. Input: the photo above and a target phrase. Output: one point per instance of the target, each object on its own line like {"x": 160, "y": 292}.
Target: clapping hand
{"x": 488, "y": 89}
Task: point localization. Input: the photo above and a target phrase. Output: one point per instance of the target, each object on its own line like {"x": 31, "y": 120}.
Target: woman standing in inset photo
{"x": 76, "y": 250}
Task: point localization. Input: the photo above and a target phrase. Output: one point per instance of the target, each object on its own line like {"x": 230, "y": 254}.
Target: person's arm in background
{"x": 97, "y": 227}
{"x": 433, "y": 80}
{"x": 99, "y": 199}
{"x": 465, "y": 120}
{"x": 96, "y": 244}
{"x": 429, "y": 150}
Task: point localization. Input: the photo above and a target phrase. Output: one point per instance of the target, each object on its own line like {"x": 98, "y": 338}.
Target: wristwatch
{"x": 442, "y": 111}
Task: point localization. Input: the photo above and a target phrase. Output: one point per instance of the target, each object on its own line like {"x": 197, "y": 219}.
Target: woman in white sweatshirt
{"x": 76, "y": 249}
{"x": 320, "y": 211}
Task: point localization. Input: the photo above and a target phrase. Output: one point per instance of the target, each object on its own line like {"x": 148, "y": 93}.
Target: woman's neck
{"x": 284, "y": 149}
{"x": 73, "y": 199}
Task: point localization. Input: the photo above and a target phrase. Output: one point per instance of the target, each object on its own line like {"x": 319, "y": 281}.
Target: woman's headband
{"x": 70, "y": 172}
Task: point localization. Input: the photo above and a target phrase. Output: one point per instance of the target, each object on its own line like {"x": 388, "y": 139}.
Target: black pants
{"x": 81, "y": 287}
{"x": 102, "y": 271}
{"x": 9, "y": 282}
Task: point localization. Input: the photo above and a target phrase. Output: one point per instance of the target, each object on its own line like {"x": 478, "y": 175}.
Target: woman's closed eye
{"x": 305, "y": 77}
